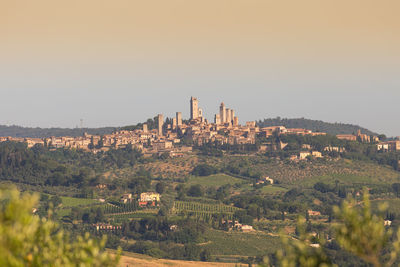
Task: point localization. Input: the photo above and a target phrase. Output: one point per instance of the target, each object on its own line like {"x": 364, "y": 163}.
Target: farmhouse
{"x": 149, "y": 196}
{"x": 303, "y": 155}
{"x": 126, "y": 198}
{"x": 313, "y": 213}
{"x": 246, "y": 228}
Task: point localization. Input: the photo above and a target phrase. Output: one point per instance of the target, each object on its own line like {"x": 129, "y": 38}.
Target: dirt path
{"x": 150, "y": 262}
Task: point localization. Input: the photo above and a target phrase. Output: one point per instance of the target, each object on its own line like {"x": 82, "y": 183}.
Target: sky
{"x": 119, "y": 62}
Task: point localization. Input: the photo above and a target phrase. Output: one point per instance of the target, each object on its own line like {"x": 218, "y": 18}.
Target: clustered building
{"x": 385, "y": 146}
{"x": 224, "y": 130}
{"x": 389, "y": 146}
{"x": 226, "y": 116}
{"x": 358, "y": 137}
{"x": 165, "y": 138}
{"x": 167, "y": 135}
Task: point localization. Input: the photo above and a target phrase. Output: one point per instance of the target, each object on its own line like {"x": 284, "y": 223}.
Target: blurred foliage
{"x": 357, "y": 231}
{"x": 364, "y": 234}
{"x": 27, "y": 240}
{"x": 306, "y": 251}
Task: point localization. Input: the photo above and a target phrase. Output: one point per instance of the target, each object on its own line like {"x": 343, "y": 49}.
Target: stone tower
{"x": 228, "y": 116}
{"x": 200, "y": 114}
{"x": 179, "y": 119}
{"x": 217, "y": 119}
{"x": 194, "y": 108}
{"x": 236, "y": 121}
{"x": 160, "y": 120}
{"x": 222, "y": 112}
{"x": 174, "y": 123}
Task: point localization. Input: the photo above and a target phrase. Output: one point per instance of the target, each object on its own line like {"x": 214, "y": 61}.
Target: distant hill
{"x": 18, "y": 131}
{"x": 315, "y": 125}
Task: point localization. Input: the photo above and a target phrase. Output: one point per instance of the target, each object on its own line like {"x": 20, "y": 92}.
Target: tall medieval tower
{"x": 222, "y": 112}
{"x": 194, "y": 108}
{"x": 179, "y": 119}
{"x": 160, "y": 120}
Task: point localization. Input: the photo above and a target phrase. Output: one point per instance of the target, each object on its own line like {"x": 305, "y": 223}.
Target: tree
{"x": 363, "y": 233}
{"x": 99, "y": 215}
{"x": 357, "y": 231}
{"x": 396, "y": 188}
{"x": 342, "y": 192}
{"x": 205, "y": 255}
{"x": 27, "y": 240}
{"x": 91, "y": 145}
{"x": 322, "y": 187}
{"x": 382, "y": 137}
{"x": 252, "y": 210}
{"x": 299, "y": 253}
{"x": 160, "y": 187}
{"x": 56, "y": 201}
{"x": 100, "y": 144}
{"x": 195, "y": 191}
{"x": 204, "y": 170}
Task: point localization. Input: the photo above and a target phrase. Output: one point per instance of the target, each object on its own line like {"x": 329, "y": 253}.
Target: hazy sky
{"x": 120, "y": 62}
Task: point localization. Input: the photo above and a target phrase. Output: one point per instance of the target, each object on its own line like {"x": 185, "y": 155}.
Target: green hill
{"x": 19, "y": 131}
{"x": 315, "y": 125}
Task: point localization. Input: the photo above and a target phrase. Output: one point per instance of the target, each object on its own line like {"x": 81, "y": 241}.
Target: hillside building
{"x": 145, "y": 128}
{"x": 149, "y": 197}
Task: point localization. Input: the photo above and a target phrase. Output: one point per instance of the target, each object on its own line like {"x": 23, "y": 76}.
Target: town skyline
{"x": 177, "y": 137}
{"x": 209, "y": 113}
{"x": 120, "y": 62}
{"x": 199, "y": 133}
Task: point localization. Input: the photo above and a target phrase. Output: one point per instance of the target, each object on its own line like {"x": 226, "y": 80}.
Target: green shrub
{"x": 27, "y": 240}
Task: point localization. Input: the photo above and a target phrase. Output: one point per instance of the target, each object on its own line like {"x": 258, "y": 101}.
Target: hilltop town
{"x": 219, "y": 189}
{"x": 178, "y": 136}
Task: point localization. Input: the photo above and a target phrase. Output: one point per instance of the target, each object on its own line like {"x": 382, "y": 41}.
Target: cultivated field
{"x": 237, "y": 244}
{"x": 73, "y": 202}
{"x": 202, "y": 210}
{"x": 138, "y": 260}
{"x": 215, "y": 180}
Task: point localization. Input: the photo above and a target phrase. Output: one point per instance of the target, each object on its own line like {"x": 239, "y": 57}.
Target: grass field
{"x": 73, "y": 202}
{"x": 120, "y": 218}
{"x": 292, "y": 173}
{"x": 271, "y": 189}
{"x": 241, "y": 244}
{"x": 393, "y": 205}
{"x": 289, "y": 173}
{"x": 63, "y": 212}
{"x": 215, "y": 180}
{"x": 203, "y": 210}
{"x": 129, "y": 259}
{"x": 354, "y": 172}
{"x": 350, "y": 179}
{"x": 222, "y": 245}
{"x": 69, "y": 202}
